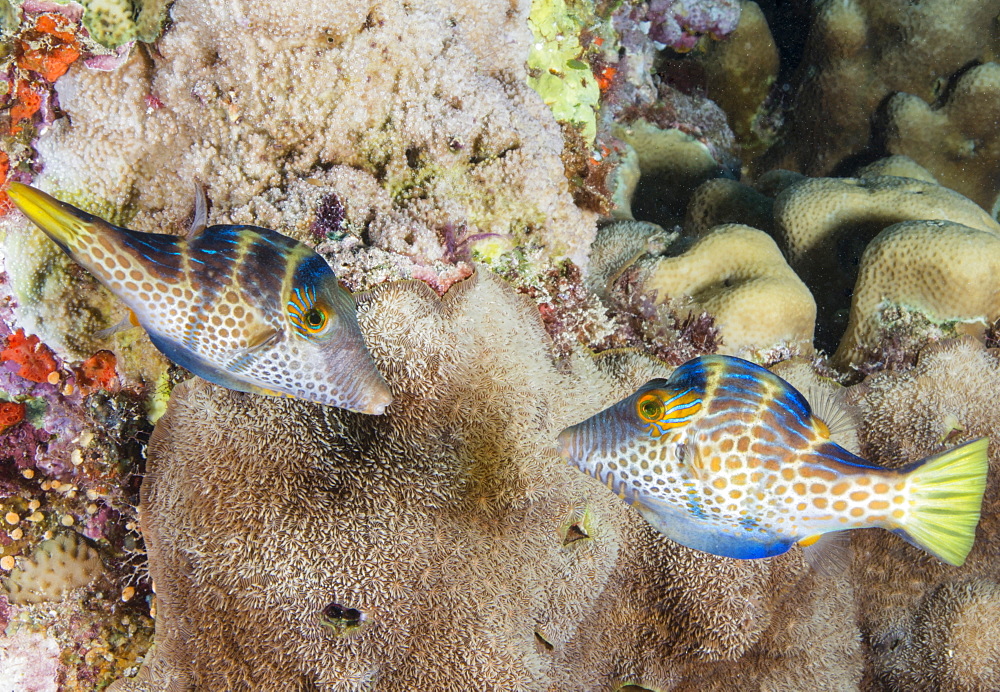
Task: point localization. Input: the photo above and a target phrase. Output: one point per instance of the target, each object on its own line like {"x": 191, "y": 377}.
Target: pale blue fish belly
{"x": 727, "y": 458}
{"x": 241, "y": 306}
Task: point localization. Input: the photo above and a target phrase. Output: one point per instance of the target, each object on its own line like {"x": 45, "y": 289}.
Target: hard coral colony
{"x": 651, "y": 203}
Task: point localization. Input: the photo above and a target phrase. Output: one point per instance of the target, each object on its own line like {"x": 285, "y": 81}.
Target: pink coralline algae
{"x": 679, "y": 24}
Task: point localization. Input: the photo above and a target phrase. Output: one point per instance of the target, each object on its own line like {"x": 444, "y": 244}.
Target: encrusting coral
{"x": 57, "y": 566}
{"x": 446, "y": 541}
{"x": 957, "y": 140}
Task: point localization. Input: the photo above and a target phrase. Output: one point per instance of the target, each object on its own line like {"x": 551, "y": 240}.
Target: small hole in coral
{"x": 336, "y": 614}
{"x": 542, "y": 645}
{"x": 575, "y": 533}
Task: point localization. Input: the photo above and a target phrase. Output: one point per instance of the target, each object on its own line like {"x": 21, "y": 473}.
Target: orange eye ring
{"x": 650, "y": 408}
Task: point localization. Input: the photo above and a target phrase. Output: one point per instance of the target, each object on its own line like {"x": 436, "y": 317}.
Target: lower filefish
{"x": 241, "y": 306}
{"x": 728, "y": 458}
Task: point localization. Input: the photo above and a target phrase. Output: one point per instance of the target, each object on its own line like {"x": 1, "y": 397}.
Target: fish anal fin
{"x": 682, "y": 526}
{"x": 828, "y": 554}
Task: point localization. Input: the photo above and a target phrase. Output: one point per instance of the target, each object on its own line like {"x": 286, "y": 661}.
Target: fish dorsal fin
{"x": 829, "y": 554}
{"x": 830, "y": 406}
{"x": 199, "y": 219}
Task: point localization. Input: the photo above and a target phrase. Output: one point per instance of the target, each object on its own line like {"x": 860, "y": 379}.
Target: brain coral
{"x": 445, "y": 545}
{"x": 927, "y": 626}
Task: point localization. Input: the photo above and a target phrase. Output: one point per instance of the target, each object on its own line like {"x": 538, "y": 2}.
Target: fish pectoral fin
{"x": 830, "y": 407}
{"x": 239, "y": 359}
{"x": 130, "y": 321}
{"x": 829, "y": 554}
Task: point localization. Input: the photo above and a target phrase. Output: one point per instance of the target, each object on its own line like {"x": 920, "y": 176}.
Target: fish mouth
{"x": 379, "y": 399}
{"x": 62, "y": 221}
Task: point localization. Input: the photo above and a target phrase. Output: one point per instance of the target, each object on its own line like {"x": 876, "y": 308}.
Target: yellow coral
{"x": 738, "y": 275}
{"x": 958, "y": 140}
{"x": 944, "y": 270}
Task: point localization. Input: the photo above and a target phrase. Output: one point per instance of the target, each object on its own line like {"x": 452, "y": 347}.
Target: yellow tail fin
{"x": 62, "y": 222}
{"x": 947, "y": 494}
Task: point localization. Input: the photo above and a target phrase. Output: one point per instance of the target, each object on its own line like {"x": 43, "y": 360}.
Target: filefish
{"x": 241, "y": 306}
{"x": 727, "y": 458}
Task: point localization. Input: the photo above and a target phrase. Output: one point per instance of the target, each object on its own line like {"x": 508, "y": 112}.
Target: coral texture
{"x": 861, "y": 51}
{"x": 944, "y": 270}
{"x": 414, "y": 115}
{"x": 57, "y": 566}
{"x": 825, "y": 224}
{"x": 739, "y": 73}
{"x": 738, "y": 275}
{"x": 957, "y": 141}
{"x": 447, "y": 541}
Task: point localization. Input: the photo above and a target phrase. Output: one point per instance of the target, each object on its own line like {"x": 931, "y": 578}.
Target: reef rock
{"x": 296, "y": 546}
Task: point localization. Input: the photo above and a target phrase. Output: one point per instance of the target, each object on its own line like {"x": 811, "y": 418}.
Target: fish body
{"x": 728, "y": 458}
{"x": 241, "y": 306}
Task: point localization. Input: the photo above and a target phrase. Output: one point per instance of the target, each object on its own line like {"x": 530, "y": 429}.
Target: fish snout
{"x": 566, "y": 447}
{"x": 379, "y": 398}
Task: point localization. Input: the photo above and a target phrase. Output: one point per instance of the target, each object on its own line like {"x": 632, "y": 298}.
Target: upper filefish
{"x": 241, "y": 306}
{"x": 728, "y": 458}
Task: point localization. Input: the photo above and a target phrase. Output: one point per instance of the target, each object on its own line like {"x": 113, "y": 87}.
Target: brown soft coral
{"x": 296, "y": 546}
{"x": 926, "y": 625}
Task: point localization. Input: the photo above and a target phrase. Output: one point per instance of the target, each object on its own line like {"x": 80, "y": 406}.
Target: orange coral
{"x": 11, "y": 413}
{"x": 50, "y": 49}
{"x": 5, "y": 204}
{"x": 98, "y": 372}
{"x": 35, "y": 358}
{"x": 27, "y": 101}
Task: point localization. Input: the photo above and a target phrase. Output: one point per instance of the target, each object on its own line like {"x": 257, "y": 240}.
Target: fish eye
{"x": 314, "y": 319}
{"x": 650, "y": 408}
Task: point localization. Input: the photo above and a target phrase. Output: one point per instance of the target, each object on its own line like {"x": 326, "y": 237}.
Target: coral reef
{"x": 861, "y": 51}
{"x": 445, "y": 544}
{"x": 926, "y": 626}
{"x": 446, "y": 540}
{"x": 739, "y": 73}
{"x": 737, "y": 274}
{"x": 946, "y": 271}
{"x": 57, "y": 566}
